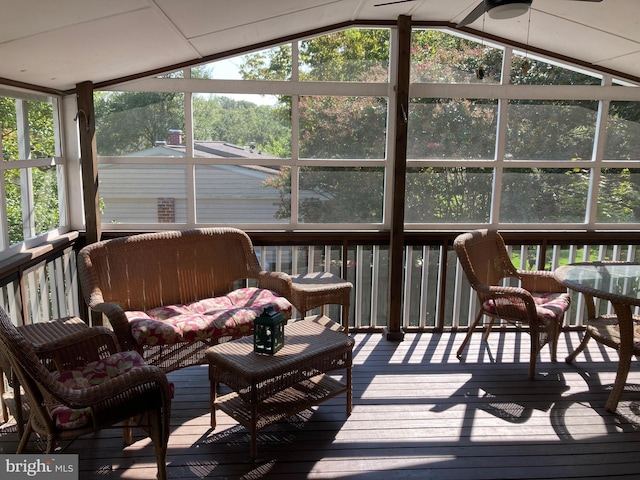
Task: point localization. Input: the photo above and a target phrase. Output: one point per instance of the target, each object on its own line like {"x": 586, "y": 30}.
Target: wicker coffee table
{"x": 270, "y": 388}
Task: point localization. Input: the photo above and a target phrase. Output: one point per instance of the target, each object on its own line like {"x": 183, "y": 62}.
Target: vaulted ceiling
{"x": 58, "y": 44}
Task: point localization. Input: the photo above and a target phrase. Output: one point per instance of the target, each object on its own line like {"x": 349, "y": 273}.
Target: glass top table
{"x": 619, "y": 283}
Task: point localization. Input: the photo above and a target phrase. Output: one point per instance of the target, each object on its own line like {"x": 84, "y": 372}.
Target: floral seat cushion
{"x": 228, "y": 315}
{"x": 92, "y": 374}
{"x": 549, "y": 306}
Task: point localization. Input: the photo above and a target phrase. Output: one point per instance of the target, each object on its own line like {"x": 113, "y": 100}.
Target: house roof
{"x": 204, "y": 149}
{"x": 58, "y": 44}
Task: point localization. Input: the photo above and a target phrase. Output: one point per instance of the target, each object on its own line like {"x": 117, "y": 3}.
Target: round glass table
{"x": 619, "y": 283}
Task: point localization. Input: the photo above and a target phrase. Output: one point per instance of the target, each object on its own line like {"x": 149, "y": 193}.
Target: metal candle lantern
{"x": 268, "y": 331}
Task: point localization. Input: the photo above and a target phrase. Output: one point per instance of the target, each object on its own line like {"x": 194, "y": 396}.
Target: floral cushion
{"x": 92, "y": 374}
{"x": 549, "y": 306}
{"x": 231, "y": 314}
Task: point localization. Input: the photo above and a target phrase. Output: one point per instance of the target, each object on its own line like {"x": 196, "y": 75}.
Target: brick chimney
{"x": 175, "y": 137}
{"x": 166, "y": 210}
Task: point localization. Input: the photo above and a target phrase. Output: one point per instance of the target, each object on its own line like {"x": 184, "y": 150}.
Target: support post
{"x": 396, "y": 254}
{"x": 89, "y": 161}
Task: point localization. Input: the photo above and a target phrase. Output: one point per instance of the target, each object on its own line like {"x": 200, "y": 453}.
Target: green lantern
{"x": 268, "y": 331}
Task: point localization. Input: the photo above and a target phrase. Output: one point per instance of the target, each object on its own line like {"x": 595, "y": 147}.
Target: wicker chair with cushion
{"x": 538, "y": 301}
{"x": 96, "y": 387}
{"x": 172, "y": 295}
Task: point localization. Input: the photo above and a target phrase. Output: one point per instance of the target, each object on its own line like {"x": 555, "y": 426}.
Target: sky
{"x": 228, "y": 70}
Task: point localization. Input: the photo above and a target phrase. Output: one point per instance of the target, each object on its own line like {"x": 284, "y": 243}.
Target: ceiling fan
{"x": 500, "y": 9}
{"x": 392, "y": 3}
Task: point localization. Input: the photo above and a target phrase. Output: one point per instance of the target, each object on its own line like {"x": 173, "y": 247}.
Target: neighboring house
{"x": 157, "y": 193}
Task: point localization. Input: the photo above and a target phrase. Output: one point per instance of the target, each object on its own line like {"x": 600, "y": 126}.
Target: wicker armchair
{"x": 171, "y": 295}
{"x": 539, "y": 301}
{"x": 95, "y": 387}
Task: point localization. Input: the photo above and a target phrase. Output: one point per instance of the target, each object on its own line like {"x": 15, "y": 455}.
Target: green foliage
{"x": 241, "y": 123}
{"x": 436, "y": 195}
{"x": 14, "y": 206}
{"x": 41, "y": 134}
{"x": 359, "y": 190}
{"x": 46, "y": 206}
{"x": 9, "y": 129}
{"x": 346, "y": 56}
{"x": 131, "y": 121}
{"x": 342, "y": 127}
{"x": 128, "y": 122}
{"x": 274, "y": 64}
{"x": 457, "y": 129}
{"x": 438, "y": 57}
{"x": 43, "y": 183}
{"x": 452, "y": 128}
{"x": 528, "y": 71}
{"x": 619, "y": 198}
{"x": 45, "y": 212}
{"x": 539, "y": 195}
{"x": 41, "y": 130}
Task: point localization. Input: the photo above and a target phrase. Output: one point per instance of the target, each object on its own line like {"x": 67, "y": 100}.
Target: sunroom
{"x": 357, "y": 138}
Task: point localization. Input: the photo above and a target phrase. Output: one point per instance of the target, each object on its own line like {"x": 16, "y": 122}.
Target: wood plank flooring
{"x": 418, "y": 412}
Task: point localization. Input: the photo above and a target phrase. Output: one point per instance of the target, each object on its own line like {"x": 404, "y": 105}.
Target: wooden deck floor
{"x": 418, "y": 413}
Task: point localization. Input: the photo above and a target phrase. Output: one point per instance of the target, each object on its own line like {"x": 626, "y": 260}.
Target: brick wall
{"x": 166, "y": 210}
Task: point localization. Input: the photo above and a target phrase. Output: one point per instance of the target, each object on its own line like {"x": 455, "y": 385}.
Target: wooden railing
{"x": 436, "y": 295}
{"x": 42, "y": 284}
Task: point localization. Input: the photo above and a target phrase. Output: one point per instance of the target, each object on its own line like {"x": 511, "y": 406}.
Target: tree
{"x": 44, "y": 181}
{"x": 220, "y": 118}
{"x": 127, "y": 122}
{"x": 448, "y": 128}
{"x": 334, "y": 127}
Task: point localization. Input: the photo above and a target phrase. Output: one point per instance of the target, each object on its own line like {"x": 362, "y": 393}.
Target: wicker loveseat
{"x": 171, "y": 295}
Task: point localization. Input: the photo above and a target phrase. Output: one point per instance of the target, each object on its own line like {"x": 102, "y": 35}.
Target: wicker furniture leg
{"x": 468, "y": 335}
{"x": 213, "y": 386}
{"x": 572, "y": 356}
{"x": 626, "y": 350}
{"x": 591, "y": 314}
{"x": 349, "y": 390}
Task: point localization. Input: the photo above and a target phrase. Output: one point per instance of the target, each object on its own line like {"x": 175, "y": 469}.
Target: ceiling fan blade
{"x": 392, "y": 3}
{"x": 475, "y": 14}
{"x": 486, "y": 5}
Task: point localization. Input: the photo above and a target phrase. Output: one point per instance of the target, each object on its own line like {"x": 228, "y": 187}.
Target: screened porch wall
{"x": 532, "y": 144}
